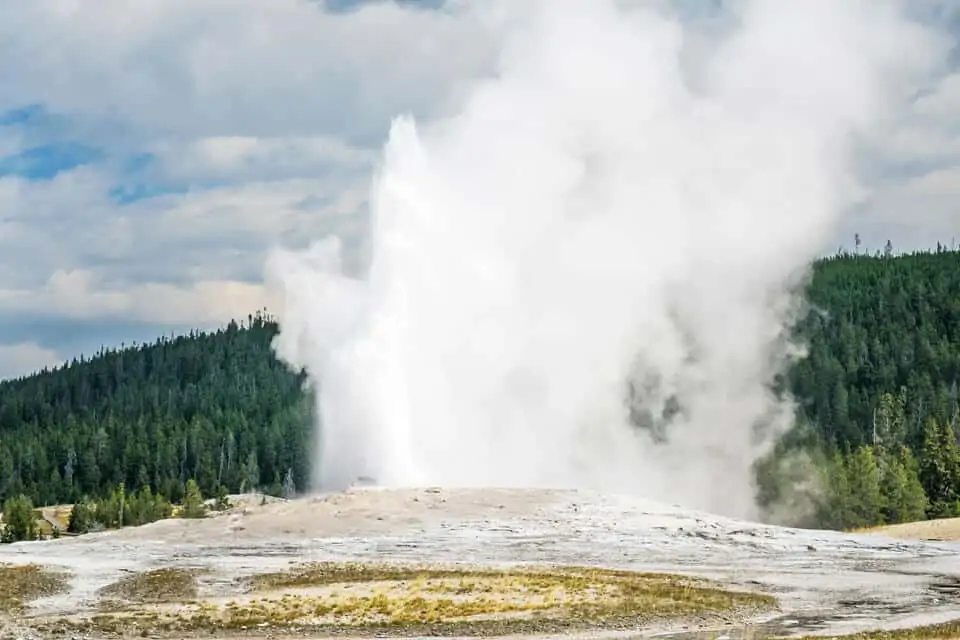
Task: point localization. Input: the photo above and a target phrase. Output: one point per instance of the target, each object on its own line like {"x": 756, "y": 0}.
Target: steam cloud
{"x": 608, "y": 233}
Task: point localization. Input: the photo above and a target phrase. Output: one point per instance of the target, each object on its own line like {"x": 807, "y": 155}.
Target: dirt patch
{"x": 341, "y": 598}
{"x": 21, "y": 584}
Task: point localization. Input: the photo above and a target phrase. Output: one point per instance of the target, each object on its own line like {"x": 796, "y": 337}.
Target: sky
{"x": 152, "y": 152}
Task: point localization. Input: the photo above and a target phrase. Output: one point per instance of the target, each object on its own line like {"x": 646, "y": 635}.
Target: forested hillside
{"x": 878, "y": 390}
{"x": 877, "y": 395}
{"x": 217, "y": 407}
{"x": 881, "y": 326}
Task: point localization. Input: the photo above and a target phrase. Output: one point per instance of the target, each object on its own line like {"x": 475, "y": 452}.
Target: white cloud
{"x": 940, "y": 183}
{"x": 267, "y": 117}
{"x": 944, "y": 102}
{"x": 922, "y": 143}
{"x": 214, "y": 233}
{"x": 25, "y": 358}
{"x": 914, "y": 200}
{"x": 913, "y": 212}
{"x": 243, "y": 67}
{"x": 238, "y": 158}
{"x": 931, "y": 130}
{"x": 79, "y": 294}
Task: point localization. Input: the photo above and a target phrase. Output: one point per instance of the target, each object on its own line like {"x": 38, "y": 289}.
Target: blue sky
{"x": 151, "y": 153}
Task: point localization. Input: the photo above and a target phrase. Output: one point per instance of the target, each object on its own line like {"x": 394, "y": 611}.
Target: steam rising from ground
{"x": 607, "y": 234}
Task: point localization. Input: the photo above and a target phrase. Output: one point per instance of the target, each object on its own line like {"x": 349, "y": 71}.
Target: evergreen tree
{"x": 914, "y": 498}
{"x": 19, "y": 521}
{"x": 837, "y": 499}
{"x": 890, "y": 420}
{"x": 193, "y": 506}
{"x": 81, "y": 517}
{"x": 863, "y": 479}
{"x": 223, "y": 499}
{"x": 939, "y": 469}
{"x": 903, "y": 497}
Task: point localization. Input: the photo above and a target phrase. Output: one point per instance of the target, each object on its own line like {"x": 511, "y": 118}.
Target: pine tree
{"x": 223, "y": 499}
{"x": 19, "y": 522}
{"x": 903, "y": 496}
{"x": 193, "y": 506}
{"x": 915, "y": 500}
{"x": 836, "y": 501}
{"x": 863, "y": 478}
{"x": 81, "y": 517}
{"x": 939, "y": 468}
{"x": 890, "y": 420}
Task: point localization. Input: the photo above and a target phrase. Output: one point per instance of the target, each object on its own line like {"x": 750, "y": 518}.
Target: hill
{"x": 878, "y": 391}
{"x": 217, "y": 407}
{"x": 877, "y": 405}
{"x": 878, "y": 326}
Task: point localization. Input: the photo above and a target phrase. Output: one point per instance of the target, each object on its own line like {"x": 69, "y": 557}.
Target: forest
{"x": 216, "y": 407}
{"x": 876, "y": 395}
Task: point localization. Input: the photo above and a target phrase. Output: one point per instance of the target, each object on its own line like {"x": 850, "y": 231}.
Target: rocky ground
{"x": 825, "y": 582}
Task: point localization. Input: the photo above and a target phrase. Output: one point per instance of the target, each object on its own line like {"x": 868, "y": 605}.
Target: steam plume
{"x": 607, "y": 234}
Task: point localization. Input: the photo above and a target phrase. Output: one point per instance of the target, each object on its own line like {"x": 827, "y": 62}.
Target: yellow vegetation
{"x": 19, "y": 584}
{"x": 406, "y": 599}
{"x": 159, "y": 585}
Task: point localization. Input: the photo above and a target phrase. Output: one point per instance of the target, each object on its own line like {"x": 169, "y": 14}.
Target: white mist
{"x": 612, "y": 206}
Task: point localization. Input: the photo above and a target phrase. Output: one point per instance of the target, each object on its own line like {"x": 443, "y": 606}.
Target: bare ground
{"x": 825, "y": 582}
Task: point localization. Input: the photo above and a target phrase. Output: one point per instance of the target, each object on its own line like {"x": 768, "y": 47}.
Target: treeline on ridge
{"x": 878, "y": 392}
{"x": 216, "y": 407}
{"x": 877, "y": 397}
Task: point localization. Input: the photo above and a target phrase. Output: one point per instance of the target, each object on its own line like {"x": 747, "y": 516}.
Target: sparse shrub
{"x": 223, "y": 499}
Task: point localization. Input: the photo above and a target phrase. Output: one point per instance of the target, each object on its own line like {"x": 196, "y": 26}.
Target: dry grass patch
{"x": 942, "y": 530}
{"x": 407, "y": 600}
{"x": 20, "y": 584}
{"x": 157, "y": 586}
{"x": 60, "y": 513}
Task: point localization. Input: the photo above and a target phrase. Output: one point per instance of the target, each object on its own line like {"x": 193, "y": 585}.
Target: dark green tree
{"x": 939, "y": 468}
{"x": 193, "y": 505}
{"x": 19, "y": 520}
{"x": 82, "y": 517}
{"x": 836, "y": 501}
{"x": 865, "y": 508}
{"x": 223, "y": 499}
{"x": 904, "y": 499}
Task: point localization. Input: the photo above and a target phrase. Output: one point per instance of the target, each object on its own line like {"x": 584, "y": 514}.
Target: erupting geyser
{"x": 584, "y": 278}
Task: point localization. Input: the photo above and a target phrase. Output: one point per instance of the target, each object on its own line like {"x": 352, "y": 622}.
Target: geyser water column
{"x": 607, "y": 233}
